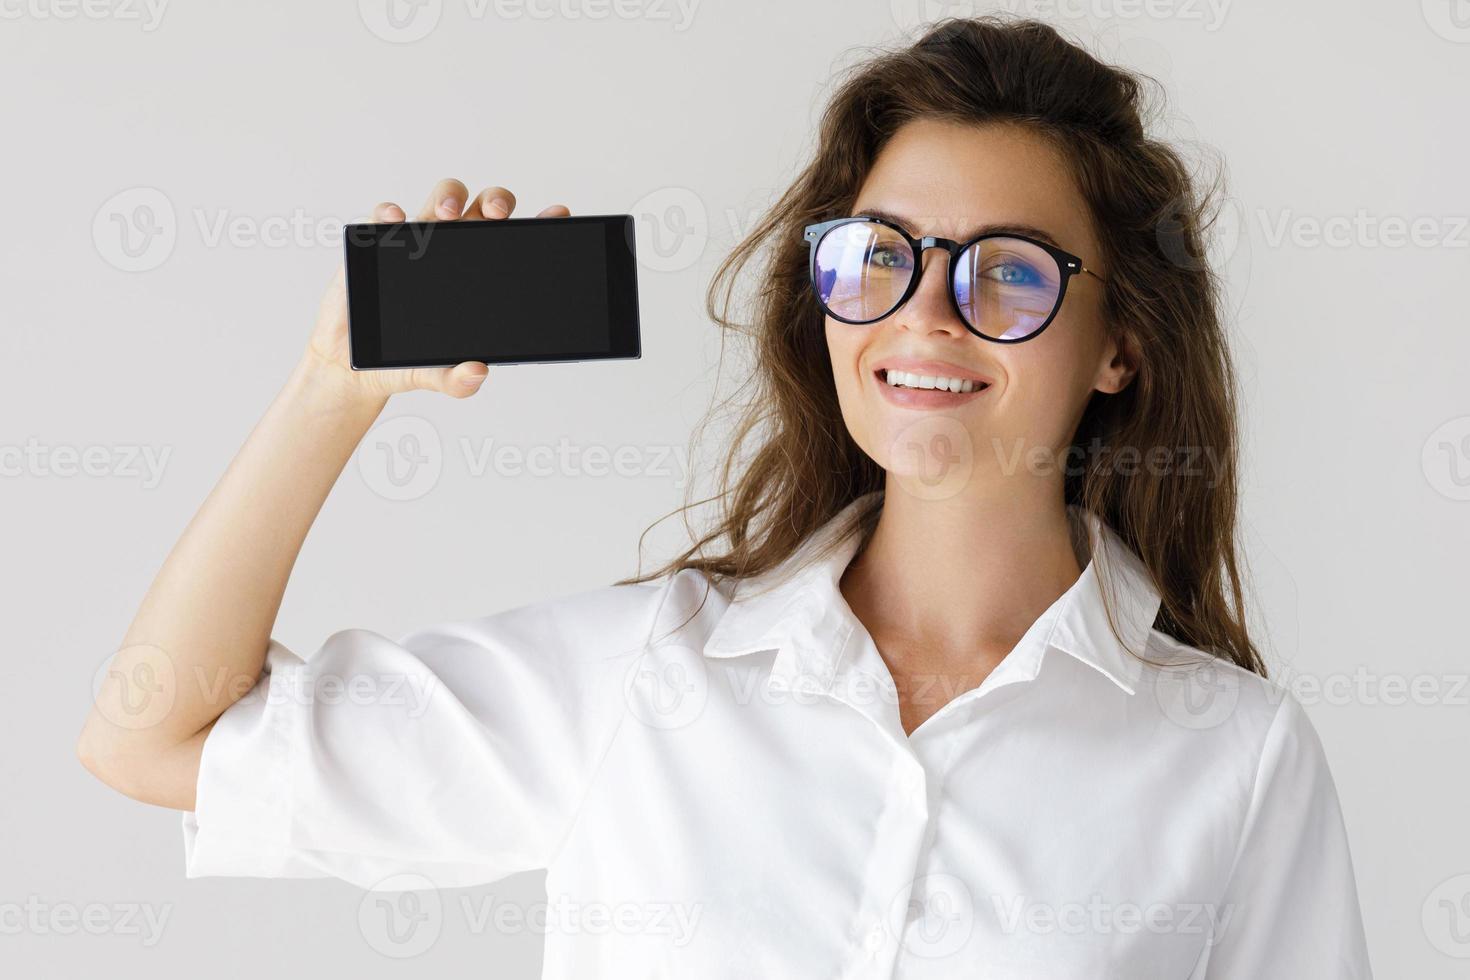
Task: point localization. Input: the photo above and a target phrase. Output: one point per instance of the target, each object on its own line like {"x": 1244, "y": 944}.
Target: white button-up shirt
{"x": 718, "y": 785}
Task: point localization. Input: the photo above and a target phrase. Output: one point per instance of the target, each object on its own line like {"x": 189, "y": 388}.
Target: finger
{"x": 445, "y": 202}
{"x": 388, "y": 212}
{"x": 333, "y": 305}
{"x": 493, "y": 203}
{"x": 555, "y": 211}
{"x": 460, "y": 381}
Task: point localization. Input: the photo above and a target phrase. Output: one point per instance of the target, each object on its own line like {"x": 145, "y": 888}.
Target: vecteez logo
{"x": 138, "y": 229}
{"x": 135, "y": 230}
{"x": 400, "y": 21}
{"x": 407, "y": 21}
{"x": 147, "y": 14}
{"x": 1450, "y": 19}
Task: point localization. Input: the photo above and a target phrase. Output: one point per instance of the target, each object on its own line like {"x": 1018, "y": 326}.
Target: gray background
{"x": 241, "y": 135}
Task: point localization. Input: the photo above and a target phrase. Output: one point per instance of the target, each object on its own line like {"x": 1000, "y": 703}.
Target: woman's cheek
{"x": 861, "y": 413}
{"x": 1042, "y": 392}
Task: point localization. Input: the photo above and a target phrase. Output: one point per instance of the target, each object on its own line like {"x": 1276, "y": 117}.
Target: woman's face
{"x": 952, "y": 180}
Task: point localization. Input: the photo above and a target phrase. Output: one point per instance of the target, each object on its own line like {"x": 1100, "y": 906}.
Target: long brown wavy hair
{"x": 791, "y": 463}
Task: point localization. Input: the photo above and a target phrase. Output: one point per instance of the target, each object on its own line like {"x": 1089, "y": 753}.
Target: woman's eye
{"x": 1012, "y": 274}
{"x": 888, "y": 258}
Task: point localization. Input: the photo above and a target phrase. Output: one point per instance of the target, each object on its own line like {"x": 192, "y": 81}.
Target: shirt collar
{"x": 797, "y": 608}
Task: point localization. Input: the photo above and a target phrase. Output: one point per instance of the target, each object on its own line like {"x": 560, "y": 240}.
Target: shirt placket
{"x": 903, "y": 829}
{"x": 898, "y": 840}
{"x": 907, "y": 911}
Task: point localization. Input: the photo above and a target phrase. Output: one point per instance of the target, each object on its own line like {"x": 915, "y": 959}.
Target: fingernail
{"x": 499, "y": 207}
{"x": 450, "y": 207}
{"x": 470, "y": 382}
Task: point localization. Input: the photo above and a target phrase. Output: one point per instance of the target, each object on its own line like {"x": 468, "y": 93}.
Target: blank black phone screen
{"x": 519, "y": 291}
{"x": 516, "y": 290}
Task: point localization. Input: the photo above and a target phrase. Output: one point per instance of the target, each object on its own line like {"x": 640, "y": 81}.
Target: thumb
{"x": 460, "y": 381}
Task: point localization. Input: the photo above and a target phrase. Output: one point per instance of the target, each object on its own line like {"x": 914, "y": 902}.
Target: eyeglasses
{"x": 1004, "y": 287}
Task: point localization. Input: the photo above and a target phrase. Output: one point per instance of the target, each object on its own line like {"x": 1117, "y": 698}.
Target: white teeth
{"x": 907, "y": 379}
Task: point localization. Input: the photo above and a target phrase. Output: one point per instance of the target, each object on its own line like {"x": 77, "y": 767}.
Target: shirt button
{"x": 874, "y": 941}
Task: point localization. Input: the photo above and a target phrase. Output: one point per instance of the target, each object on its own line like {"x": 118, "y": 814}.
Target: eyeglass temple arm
{"x": 1075, "y": 265}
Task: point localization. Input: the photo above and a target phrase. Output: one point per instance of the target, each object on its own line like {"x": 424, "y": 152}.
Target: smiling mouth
{"x": 929, "y": 382}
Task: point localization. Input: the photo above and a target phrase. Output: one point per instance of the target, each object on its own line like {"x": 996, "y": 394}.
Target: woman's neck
{"x": 963, "y": 577}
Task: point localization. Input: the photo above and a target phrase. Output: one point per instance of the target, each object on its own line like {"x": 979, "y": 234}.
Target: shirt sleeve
{"x": 460, "y": 752}
{"x": 1291, "y": 902}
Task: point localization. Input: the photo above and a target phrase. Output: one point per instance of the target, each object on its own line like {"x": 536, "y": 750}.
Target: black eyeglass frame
{"x": 1068, "y": 265}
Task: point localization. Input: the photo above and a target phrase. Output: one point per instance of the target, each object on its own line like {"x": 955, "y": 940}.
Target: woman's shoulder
{"x": 1204, "y": 695}
{"x": 605, "y": 620}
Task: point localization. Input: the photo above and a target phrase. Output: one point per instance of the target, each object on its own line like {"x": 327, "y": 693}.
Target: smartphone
{"x": 509, "y": 291}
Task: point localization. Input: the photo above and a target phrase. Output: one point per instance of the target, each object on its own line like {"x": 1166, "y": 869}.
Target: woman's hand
{"x": 329, "y": 350}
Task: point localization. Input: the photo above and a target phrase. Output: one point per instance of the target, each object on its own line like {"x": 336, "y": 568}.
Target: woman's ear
{"x": 1119, "y": 364}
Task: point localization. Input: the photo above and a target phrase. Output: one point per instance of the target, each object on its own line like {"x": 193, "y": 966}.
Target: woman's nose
{"x": 929, "y": 309}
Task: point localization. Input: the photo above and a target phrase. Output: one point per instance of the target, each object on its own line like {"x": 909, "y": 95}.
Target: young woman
{"x": 958, "y": 685}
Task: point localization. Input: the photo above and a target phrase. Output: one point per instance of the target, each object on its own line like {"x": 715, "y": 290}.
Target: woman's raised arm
{"x": 199, "y": 639}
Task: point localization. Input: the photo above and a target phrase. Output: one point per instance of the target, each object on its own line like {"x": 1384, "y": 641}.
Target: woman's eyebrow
{"x": 999, "y": 228}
